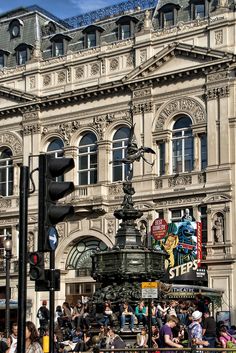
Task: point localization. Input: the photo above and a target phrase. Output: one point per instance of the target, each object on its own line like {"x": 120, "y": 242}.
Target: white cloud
{"x": 90, "y": 5}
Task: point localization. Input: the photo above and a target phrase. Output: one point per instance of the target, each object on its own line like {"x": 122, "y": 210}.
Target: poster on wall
{"x": 183, "y": 243}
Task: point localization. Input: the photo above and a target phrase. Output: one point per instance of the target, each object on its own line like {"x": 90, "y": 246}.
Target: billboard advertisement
{"x": 182, "y": 241}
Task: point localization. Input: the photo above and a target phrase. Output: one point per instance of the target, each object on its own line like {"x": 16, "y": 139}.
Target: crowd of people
{"x": 173, "y": 324}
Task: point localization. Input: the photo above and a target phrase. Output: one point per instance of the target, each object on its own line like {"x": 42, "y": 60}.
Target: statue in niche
{"x": 218, "y": 228}
{"x": 143, "y": 232}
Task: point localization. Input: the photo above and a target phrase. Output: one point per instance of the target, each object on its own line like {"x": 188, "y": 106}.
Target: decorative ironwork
{"x": 109, "y": 11}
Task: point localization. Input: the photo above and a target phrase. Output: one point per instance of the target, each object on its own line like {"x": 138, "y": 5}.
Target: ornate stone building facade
{"x": 69, "y": 85}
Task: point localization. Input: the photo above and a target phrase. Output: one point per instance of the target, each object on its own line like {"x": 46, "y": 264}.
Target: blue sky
{"x": 59, "y": 8}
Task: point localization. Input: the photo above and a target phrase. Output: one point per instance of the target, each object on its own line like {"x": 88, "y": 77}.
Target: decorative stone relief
{"x": 114, "y": 64}
{"x": 180, "y": 201}
{"x": 180, "y": 180}
{"x": 120, "y": 44}
{"x": 221, "y": 92}
{"x": 30, "y": 242}
{"x": 47, "y": 80}
{"x": 94, "y": 69}
{"x": 142, "y": 92}
{"x": 187, "y": 105}
{"x": 217, "y": 76}
{"x": 111, "y": 227}
{"x": 31, "y": 129}
{"x": 32, "y": 82}
{"x": 158, "y": 183}
{"x": 103, "y": 66}
{"x": 67, "y": 129}
{"x": 143, "y": 56}
{"x": 79, "y": 72}
{"x": 129, "y": 60}
{"x": 219, "y": 37}
{"x": 146, "y": 107}
{"x": 61, "y": 230}
{"x": 95, "y": 224}
{"x": 10, "y": 140}
{"x": 30, "y": 115}
{"x": 61, "y": 77}
{"x": 116, "y": 189}
{"x": 202, "y": 178}
{"x": 101, "y": 123}
{"x": 4, "y": 203}
{"x": 218, "y": 227}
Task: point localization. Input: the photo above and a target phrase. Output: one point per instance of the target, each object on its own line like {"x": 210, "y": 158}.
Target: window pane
{"x": 91, "y": 40}
{"x": 125, "y": 31}
{"x": 188, "y": 154}
{"x": 203, "y": 151}
{"x": 117, "y": 173}
{"x": 1, "y": 61}
{"x": 168, "y": 19}
{"x": 22, "y": 57}
{"x": 83, "y": 178}
{"x": 83, "y": 162}
{"x": 199, "y": 10}
{"x": 88, "y": 159}
{"x": 162, "y": 158}
{"x": 93, "y": 176}
{"x": 59, "y": 48}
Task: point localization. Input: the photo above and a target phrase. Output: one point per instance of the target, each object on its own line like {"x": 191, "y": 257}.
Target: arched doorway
{"x": 79, "y": 283}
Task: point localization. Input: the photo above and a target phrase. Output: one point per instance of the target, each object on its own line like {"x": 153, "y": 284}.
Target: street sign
{"x": 159, "y": 228}
{"x": 53, "y": 237}
{"x": 149, "y": 290}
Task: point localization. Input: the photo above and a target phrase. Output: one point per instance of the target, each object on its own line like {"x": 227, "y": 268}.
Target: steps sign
{"x": 159, "y": 228}
{"x": 150, "y": 290}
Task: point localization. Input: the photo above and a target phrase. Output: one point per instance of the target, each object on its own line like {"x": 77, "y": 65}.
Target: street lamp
{"x": 8, "y": 249}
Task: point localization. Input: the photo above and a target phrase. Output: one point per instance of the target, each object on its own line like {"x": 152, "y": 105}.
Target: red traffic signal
{"x": 36, "y": 261}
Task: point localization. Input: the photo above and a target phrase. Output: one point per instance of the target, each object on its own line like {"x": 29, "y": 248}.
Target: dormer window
{"x": 15, "y": 28}
{"x": 92, "y": 36}
{"x": 199, "y": 9}
{"x": 126, "y": 26}
{"x": 168, "y": 15}
{"x": 23, "y": 53}
{"x": 59, "y": 44}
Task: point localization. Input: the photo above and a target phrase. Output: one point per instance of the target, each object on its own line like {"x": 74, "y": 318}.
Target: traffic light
{"x": 51, "y": 281}
{"x": 36, "y": 261}
{"x": 50, "y": 191}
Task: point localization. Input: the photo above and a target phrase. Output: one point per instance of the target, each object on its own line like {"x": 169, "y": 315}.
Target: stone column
{"x": 224, "y": 124}
{"x": 212, "y": 139}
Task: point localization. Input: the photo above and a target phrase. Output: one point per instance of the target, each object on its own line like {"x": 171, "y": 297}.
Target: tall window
{"x": 6, "y": 173}
{"x": 56, "y": 148}
{"x": 22, "y": 56}
{"x": 119, "y": 144}
{"x": 199, "y": 10}
{"x": 168, "y": 19}
{"x": 182, "y": 146}
{"x": 203, "y": 151}
{"x": 59, "y": 48}
{"x": 2, "y": 63}
{"x": 162, "y": 158}
{"x": 91, "y": 39}
{"x": 125, "y": 31}
{"x": 88, "y": 160}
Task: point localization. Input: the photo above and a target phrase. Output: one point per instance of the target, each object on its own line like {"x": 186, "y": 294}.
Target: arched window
{"x": 119, "y": 144}
{"x": 55, "y": 148}
{"x": 182, "y": 146}
{"x": 88, "y": 159}
{"x": 6, "y": 172}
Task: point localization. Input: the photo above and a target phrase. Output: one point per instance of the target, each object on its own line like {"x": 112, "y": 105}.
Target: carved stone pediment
{"x": 217, "y": 198}
{"x": 11, "y": 97}
{"x": 178, "y": 59}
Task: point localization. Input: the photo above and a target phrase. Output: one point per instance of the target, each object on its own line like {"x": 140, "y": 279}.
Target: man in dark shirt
{"x": 166, "y": 334}
{"x": 209, "y": 329}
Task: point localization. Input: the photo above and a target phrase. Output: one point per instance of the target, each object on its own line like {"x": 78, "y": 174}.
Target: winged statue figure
{"x": 134, "y": 153}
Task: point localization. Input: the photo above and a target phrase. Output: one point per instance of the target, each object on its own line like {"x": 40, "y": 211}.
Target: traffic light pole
{"x": 52, "y": 302}
{"x": 22, "y": 279}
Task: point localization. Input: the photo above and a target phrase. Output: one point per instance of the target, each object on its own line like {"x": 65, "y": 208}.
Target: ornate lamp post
{"x": 8, "y": 250}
